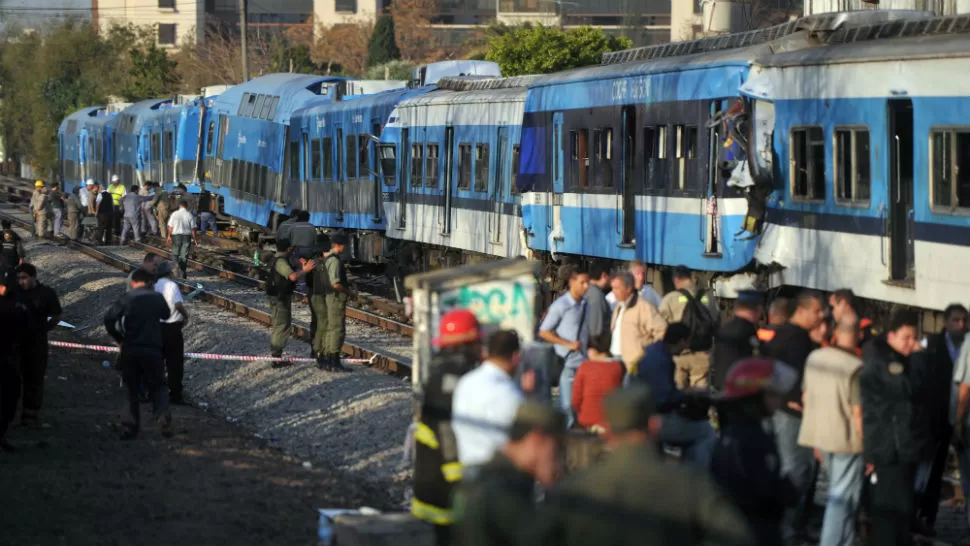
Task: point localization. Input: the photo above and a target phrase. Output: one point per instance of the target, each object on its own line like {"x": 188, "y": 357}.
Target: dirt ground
{"x": 76, "y": 483}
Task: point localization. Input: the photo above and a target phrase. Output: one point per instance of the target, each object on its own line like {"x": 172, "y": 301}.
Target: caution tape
{"x": 209, "y": 356}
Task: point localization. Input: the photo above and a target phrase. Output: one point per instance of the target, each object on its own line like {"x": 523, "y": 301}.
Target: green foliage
{"x": 538, "y": 49}
{"x": 383, "y": 46}
{"x": 296, "y": 57}
{"x": 395, "y": 70}
{"x": 49, "y": 75}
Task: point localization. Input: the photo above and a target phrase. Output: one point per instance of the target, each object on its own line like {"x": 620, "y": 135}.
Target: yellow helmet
{"x": 39, "y": 184}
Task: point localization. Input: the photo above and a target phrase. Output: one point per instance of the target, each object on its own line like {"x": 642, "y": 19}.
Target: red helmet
{"x": 457, "y": 327}
{"x": 756, "y": 374}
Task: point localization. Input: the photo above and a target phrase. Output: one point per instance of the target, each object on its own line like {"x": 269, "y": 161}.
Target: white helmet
{"x": 114, "y": 178}
{"x": 90, "y": 182}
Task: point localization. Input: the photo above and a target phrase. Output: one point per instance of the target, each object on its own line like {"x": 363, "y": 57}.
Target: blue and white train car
{"x": 250, "y": 124}
{"x": 332, "y": 162}
{"x": 145, "y": 143}
{"x": 453, "y": 184}
{"x": 81, "y": 138}
{"x": 868, "y": 146}
{"x": 622, "y": 162}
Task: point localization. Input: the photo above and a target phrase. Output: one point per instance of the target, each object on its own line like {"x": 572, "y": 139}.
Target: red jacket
{"x": 594, "y": 381}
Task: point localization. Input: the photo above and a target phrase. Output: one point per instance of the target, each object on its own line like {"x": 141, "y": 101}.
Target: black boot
{"x": 323, "y": 363}
{"x": 278, "y": 363}
{"x": 337, "y": 365}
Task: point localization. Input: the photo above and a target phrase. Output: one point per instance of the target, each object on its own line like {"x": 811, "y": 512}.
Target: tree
{"x": 383, "y": 45}
{"x": 413, "y": 32}
{"x": 343, "y": 44}
{"x": 539, "y": 49}
{"x": 394, "y": 70}
{"x": 152, "y": 73}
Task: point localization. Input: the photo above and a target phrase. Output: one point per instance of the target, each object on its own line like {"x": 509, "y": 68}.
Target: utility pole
{"x": 242, "y": 41}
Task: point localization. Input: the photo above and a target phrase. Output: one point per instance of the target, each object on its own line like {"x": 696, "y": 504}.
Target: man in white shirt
{"x": 644, "y": 291}
{"x": 85, "y": 195}
{"x": 173, "y": 343}
{"x": 182, "y": 234}
{"x": 485, "y": 401}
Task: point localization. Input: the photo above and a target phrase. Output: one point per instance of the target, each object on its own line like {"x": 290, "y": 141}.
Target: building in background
{"x": 36, "y": 14}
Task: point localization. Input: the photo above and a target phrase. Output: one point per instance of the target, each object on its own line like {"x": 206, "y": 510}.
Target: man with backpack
{"x": 279, "y": 287}
{"x": 697, "y": 309}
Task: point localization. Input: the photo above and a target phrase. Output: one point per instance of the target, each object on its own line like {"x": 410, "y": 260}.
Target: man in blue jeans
{"x": 565, "y": 326}
{"x": 832, "y": 423}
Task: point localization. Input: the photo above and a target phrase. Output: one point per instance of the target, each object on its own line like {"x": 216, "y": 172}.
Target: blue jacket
{"x": 656, "y": 369}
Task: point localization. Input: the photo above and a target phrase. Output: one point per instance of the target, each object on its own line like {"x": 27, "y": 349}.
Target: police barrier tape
{"x": 209, "y": 356}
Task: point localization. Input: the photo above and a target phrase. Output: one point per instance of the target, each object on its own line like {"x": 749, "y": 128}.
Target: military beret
{"x": 533, "y": 415}
{"x": 629, "y": 408}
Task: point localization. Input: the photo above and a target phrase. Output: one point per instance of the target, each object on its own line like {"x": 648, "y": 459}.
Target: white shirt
{"x": 482, "y": 411}
{"x": 83, "y": 196}
{"x": 170, "y": 290}
{"x": 647, "y": 293}
{"x": 616, "y": 344}
{"x": 181, "y": 222}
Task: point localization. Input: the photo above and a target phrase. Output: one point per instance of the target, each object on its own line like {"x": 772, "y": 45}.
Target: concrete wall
{"x": 188, "y": 16}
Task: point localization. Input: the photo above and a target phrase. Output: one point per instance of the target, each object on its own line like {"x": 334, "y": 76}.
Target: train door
{"x": 168, "y": 156}
{"x": 627, "y": 186}
{"x": 557, "y": 174}
{"x": 500, "y": 175}
{"x": 343, "y": 159}
{"x": 710, "y": 238}
{"x": 901, "y": 211}
{"x": 404, "y": 175}
{"x": 449, "y": 179}
{"x": 371, "y": 150}
{"x": 304, "y": 180}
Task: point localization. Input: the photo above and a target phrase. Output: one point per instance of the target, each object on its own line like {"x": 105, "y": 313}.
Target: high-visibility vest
{"x": 117, "y": 192}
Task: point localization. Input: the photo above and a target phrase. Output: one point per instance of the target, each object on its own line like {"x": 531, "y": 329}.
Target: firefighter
{"x": 436, "y": 467}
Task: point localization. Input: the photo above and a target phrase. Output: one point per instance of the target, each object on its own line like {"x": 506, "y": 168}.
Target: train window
{"x": 257, "y": 108}
{"x": 363, "y": 156}
{"x": 431, "y": 166}
{"x": 579, "y": 153}
{"x": 249, "y": 105}
{"x": 340, "y": 154}
{"x": 950, "y": 168}
{"x": 267, "y": 104}
{"x": 515, "y": 169}
{"x": 464, "y": 166}
{"x": 481, "y": 167}
{"x": 242, "y": 105}
{"x": 416, "y": 164}
{"x": 388, "y": 163}
{"x": 315, "y": 171}
{"x": 851, "y": 162}
{"x": 603, "y": 157}
{"x": 210, "y": 136}
{"x": 655, "y": 142}
{"x": 328, "y": 158}
{"x": 272, "y": 108}
{"x": 295, "y": 160}
{"x": 223, "y": 132}
{"x": 167, "y": 146}
{"x": 686, "y": 142}
{"x": 807, "y": 160}
{"x": 351, "y": 156}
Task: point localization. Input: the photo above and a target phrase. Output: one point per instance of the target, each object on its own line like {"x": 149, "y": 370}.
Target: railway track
{"x": 368, "y": 308}
{"x": 386, "y": 346}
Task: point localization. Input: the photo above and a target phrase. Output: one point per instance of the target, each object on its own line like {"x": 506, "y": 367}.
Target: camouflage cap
{"x": 629, "y": 408}
{"x": 533, "y": 415}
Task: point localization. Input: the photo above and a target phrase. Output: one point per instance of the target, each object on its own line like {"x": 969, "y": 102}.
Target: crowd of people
{"x": 129, "y": 213}
{"x": 751, "y": 408}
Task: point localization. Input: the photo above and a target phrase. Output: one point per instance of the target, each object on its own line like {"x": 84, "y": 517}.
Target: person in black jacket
{"x": 792, "y": 344}
{"x": 43, "y": 313}
{"x": 935, "y": 367}
{"x": 737, "y": 338}
{"x": 889, "y": 446}
{"x": 134, "y": 322}
{"x": 102, "y": 206}
{"x": 13, "y": 322}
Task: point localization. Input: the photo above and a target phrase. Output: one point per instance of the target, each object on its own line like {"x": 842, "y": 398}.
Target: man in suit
{"x": 935, "y": 368}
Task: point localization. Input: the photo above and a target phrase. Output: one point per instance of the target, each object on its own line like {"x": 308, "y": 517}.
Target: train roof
{"x": 295, "y": 91}
{"x": 361, "y": 102}
{"x": 85, "y": 115}
{"x": 457, "y": 98}
{"x": 883, "y": 50}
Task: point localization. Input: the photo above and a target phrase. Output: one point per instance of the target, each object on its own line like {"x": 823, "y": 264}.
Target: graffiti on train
{"x": 507, "y": 303}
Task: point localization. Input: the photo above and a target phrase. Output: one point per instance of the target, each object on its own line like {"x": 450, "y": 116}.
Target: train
{"x": 821, "y": 153}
